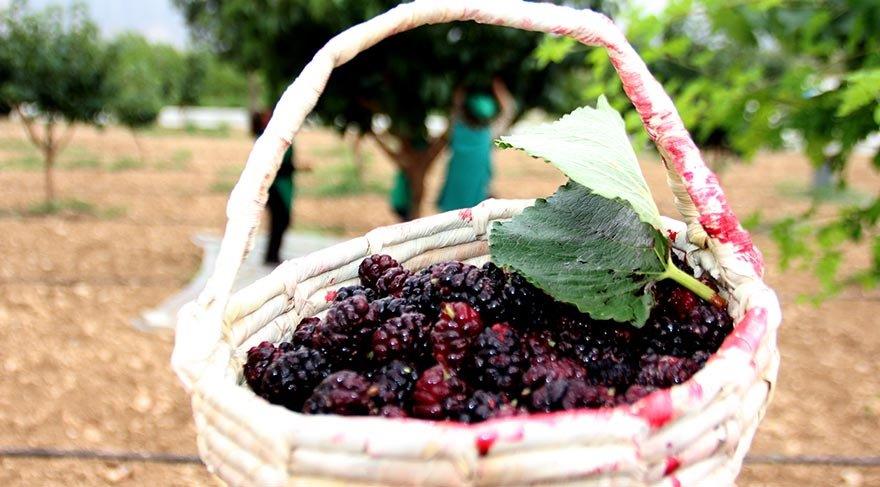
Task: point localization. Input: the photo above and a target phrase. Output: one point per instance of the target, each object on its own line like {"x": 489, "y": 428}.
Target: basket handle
{"x": 698, "y": 195}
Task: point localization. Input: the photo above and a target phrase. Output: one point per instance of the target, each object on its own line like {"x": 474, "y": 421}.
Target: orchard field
{"x": 77, "y": 375}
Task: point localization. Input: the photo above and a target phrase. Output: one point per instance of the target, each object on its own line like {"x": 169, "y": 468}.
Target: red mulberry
{"x": 453, "y": 333}
{"x": 438, "y": 394}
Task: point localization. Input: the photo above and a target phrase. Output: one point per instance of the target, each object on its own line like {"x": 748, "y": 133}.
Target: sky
{"x": 157, "y": 20}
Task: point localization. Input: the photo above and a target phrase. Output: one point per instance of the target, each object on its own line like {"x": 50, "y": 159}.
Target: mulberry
{"x": 453, "y": 333}
{"x": 343, "y": 393}
{"x": 483, "y": 405}
{"x": 666, "y": 370}
{"x": 389, "y": 307}
{"x": 438, "y": 393}
{"x": 304, "y": 332}
{"x": 498, "y": 359}
{"x": 392, "y": 280}
{"x": 565, "y": 394}
{"x": 372, "y": 268}
{"x": 290, "y": 378}
{"x": 401, "y": 337}
{"x": 393, "y": 385}
{"x": 346, "y": 292}
{"x": 345, "y": 330}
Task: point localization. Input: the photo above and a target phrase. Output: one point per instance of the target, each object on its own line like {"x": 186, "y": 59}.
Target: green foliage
{"x": 743, "y": 74}
{"x": 52, "y": 61}
{"x": 585, "y": 249}
{"x": 193, "y": 83}
{"x": 406, "y": 77}
{"x": 136, "y": 81}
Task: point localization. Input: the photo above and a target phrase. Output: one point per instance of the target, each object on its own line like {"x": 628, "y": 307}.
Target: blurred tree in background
{"x": 52, "y": 74}
{"x": 136, "y": 81}
{"x": 406, "y": 77}
{"x": 749, "y": 76}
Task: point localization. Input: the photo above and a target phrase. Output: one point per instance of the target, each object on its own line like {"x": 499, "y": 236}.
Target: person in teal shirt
{"x": 469, "y": 173}
{"x": 281, "y": 194}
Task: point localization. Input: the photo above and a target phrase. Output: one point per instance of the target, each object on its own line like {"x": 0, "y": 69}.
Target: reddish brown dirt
{"x": 77, "y": 375}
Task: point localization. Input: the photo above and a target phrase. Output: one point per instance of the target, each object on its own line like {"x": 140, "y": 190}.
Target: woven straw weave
{"x": 693, "y": 434}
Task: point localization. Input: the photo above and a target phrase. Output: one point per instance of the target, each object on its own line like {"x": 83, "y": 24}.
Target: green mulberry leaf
{"x": 587, "y": 250}
{"x": 591, "y": 147}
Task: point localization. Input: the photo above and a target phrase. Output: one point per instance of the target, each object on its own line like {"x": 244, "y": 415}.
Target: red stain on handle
{"x": 672, "y": 465}
{"x": 466, "y": 215}
{"x": 485, "y": 440}
{"x": 330, "y": 296}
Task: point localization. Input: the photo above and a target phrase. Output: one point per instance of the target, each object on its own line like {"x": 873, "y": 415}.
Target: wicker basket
{"x": 693, "y": 434}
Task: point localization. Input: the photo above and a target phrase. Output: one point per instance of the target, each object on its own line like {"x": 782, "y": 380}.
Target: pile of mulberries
{"x": 465, "y": 343}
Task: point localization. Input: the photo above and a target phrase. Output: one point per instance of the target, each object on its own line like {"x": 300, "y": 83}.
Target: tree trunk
{"x": 416, "y": 166}
{"x": 49, "y": 176}
{"x": 358, "y": 157}
{"x": 140, "y": 148}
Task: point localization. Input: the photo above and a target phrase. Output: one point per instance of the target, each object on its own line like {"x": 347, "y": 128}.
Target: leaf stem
{"x": 690, "y": 282}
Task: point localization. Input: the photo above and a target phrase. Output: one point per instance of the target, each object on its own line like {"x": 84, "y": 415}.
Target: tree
{"x": 55, "y": 68}
{"x": 135, "y": 80}
{"x": 406, "y": 77}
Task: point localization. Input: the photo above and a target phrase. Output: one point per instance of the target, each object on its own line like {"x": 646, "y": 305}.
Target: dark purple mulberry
{"x": 391, "y": 412}
{"x": 390, "y": 307}
{"x": 540, "y": 345}
{"x": 542, "y": 372}
{"x": 484, "y": 291}
{"x": 483, "y": 405}
{"x": 290, "y": 378}
{"x": 438, "y": 393}
{"x": 634, "y": 393}
{"x": 344, "y": 393}
{"x": 346, "y": 292}
{"x": 346, "y": 328}
{"x": 565, "y": 394}
{"x": 498, "y": 359}
{"x": 682, "y": 324}
{"x": 528, "y": 306}
{"x": 258, "y": 359}
{"x": 401, "y": 337}
{"x": 418, "y": 291}
{"x": 372, "y": 268}
{"x": 453, "y": 333}
{"x": 666, "y": 370}
{"x": 392, "y": 280}
{"x": 393, "y": 385}
{"x": 304, "y": 332}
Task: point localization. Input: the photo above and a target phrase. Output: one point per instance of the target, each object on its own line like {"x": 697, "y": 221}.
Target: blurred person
{"x": 281, "y": 192}
{"x": 470, "y": 135}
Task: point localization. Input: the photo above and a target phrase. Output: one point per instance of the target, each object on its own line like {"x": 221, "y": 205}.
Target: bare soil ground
{"x": 77, "y": 375}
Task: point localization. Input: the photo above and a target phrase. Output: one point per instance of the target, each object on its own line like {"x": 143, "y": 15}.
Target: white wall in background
{"x": 204, "y": 118}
